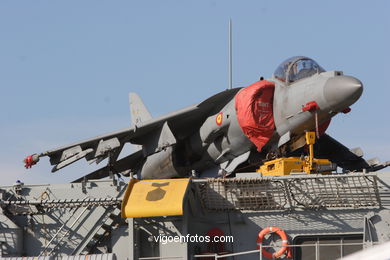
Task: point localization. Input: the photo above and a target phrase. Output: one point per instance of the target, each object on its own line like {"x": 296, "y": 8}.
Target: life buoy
{"x": 281, "y": 234}
{"x": 215, "y": 247}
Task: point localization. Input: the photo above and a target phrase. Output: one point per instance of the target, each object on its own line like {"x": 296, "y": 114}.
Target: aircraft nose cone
{"x": 342, "y": 91}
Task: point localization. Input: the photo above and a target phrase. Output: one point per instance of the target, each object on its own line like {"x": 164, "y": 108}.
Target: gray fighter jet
{"x": 233, "y": 131}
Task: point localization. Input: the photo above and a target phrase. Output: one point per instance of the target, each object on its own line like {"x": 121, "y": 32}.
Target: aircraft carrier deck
{"x": 323, "y": 216}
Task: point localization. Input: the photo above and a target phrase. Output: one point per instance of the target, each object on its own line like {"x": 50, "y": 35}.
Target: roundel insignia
{"x": 218, "y": 119}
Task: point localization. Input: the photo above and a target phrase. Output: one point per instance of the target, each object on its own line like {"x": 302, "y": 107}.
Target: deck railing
{"x": 317, "y": 246}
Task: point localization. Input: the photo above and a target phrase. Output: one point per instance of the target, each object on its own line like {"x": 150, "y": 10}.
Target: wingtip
{"x": 31, "y": 160}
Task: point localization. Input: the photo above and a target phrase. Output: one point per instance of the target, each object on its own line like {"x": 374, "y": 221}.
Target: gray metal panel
{"x": 63, "y": 218}
{"x": 89, "y": 257}
{"x": 120, "y": 242}
{"x": 29, "y": 258}
{"x": 376, "y": 227}
{"x": 11, "y": 236}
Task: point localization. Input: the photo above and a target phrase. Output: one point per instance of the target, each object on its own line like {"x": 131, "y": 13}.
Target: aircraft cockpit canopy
{"x": 296, "y": 68}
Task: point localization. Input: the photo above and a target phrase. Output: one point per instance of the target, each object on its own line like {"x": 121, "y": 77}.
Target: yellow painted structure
{"x": 281, "y": 166}
{"x": 286, "y": 166}
{"x": 154, "y": 198}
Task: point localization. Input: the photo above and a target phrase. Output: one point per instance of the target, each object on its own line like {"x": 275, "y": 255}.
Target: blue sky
{"x": 66, "y": 67}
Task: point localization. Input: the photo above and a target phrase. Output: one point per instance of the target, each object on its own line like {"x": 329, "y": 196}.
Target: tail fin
{"x": 138, "y": 111}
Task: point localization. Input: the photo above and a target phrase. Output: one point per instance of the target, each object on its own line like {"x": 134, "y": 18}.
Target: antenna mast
{"x": 230, "y": 55}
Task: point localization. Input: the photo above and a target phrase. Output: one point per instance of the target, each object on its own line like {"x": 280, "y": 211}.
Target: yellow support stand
{"x": 310, "y": 141}
{"x": 286, "y": 166}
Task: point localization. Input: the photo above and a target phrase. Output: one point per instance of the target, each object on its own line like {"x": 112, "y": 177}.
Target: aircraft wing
{"x": 180, "y": 123}
{"x": 350, "y": 160}
{"x": 116, "y": 167}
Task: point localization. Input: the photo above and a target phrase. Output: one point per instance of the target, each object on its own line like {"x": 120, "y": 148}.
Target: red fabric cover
{"x": 254, "y": 106}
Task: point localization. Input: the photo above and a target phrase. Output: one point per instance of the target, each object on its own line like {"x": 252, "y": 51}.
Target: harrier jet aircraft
{"x": 232, "y": 131}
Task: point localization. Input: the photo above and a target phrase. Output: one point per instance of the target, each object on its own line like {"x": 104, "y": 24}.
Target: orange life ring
{"x": 281, "y": 234}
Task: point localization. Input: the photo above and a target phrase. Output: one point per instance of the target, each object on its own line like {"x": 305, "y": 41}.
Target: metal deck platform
{"x": 346, "y": 211}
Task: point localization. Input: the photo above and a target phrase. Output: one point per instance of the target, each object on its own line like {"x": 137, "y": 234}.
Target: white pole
{"x": 230, "y": 55}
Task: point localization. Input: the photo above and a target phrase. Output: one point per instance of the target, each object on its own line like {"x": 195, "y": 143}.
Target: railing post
{"x": 261, "y": 251}
{"x": 317, "y": 251}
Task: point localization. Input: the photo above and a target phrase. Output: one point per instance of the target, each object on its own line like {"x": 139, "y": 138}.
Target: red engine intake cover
{"x": 254, "y": 106}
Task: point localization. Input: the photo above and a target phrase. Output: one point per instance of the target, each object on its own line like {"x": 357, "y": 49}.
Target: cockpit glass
{"x": 297, "y": 68}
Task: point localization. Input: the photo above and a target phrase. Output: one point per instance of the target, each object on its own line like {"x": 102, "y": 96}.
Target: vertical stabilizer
{"x": 138, "y": 111}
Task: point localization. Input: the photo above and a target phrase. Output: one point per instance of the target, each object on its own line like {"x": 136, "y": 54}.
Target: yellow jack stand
{"x": 309, "y": 164}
